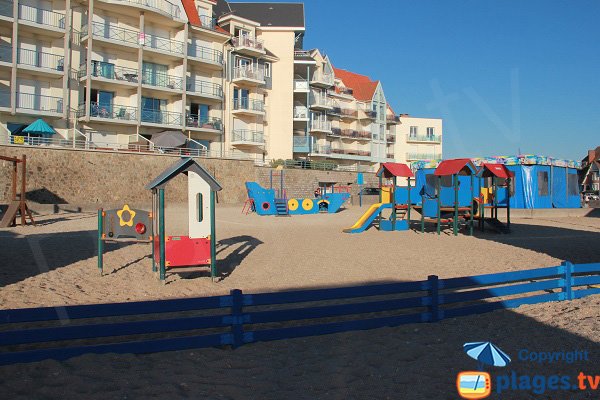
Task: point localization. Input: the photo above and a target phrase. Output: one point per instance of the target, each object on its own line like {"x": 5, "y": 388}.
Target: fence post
{"x": 237, "y": 327}
{"x": 432, "y": 293}
{"x": 567, "y": 288}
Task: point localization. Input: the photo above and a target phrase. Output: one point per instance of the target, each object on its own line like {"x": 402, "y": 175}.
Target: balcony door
{"x": 241, "y": 98}
{"x": 155, "y": 74}
{"x": 152, "y": 109}
{"x": 101, "y": 103}
{"x": 430, "y": 133}
{"x": 413, "y": 131}
{"x": 199, "y": 113}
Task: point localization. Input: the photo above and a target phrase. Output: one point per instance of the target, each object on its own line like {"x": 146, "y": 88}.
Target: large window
{"x": 152, "y": 109}
{"x": 430, "y": 132}
{"x": 268, "y": 69}
{"x": 414, "y": 130}
{"x": 542, "y": 178}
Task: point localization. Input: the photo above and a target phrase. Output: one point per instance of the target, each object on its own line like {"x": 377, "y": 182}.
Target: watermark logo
{"x": 473, "y": 385}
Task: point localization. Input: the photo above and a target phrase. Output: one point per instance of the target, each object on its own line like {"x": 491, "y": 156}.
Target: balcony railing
{"x": 162, "y": 80}
{"x": 392, "y": 119}
{"x": 320, "y": 125}
{"x": 336, "y": 111}
{"x": 300, "y": 112}
{"x": 318, "y": 100}
{"x": 247, "y": 136}
{"x": 300, "y": 84}
{"x": 6, "y": 8}
{"x": 110, "y": 71}
{"x": 208, "y": 22}
{"x": 6, "y": 54}
{"x": 321, "y": 149}
{"x": 320, "y": 77}
{"x": 40, "y": 59}
{"x": 249, "y": 72}
{"x": 302, "y": 144}
{"x": 36, "y": 102}
{"x": 344, "y": 91}
{"x": 301, "y": 53}
{"x": 424, "y": 138}
{"x": 248, "y": 104}
{"x": 162, "y": 117}
{"x": 371, "y": 114}
{"x": 391, "y": 139}
{"x": 162, "y": 44}
{"x": 109, "y": 111}
{"x": 352, "y": 152}
{"x": 351, "y": 133}
{"x": 248, "y": 41}
{"x": 41, "y": 16}
{"x": 194, "y": 121}
{"x": 105, "y": 31}
{"x": 348, "y": 113}
{"x": 158, "y": 5}
{"x": 335, "y": 131}
{"x": 423, "y": 156}
{"x": 205, "y": 54}
{"x": 204, "y": 87}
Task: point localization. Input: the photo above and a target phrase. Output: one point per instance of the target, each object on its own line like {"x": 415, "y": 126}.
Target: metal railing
{"x": 320, "y": 77}
{"x": 41, "y": 16}
{"x": 6, "y": 8}
{"x": 320, "y": 100}
{"x": 247, "y": 136}
{"x": 248, "y": 41}
{"x": 205, "y": 54}
{"x": 320, "y": 125}
{"x": 162, "y": 117}
{"x": 301, "y": 84}
{"x": 354, "y": 134}
{"x": 208, "y": 22}
{"x": 302, "y": 144}
{"x": 40, "y": 59}
{"x": 392, "y": 119}
{"x": 424, "y": 138}
{"x": 5, "y": 54}
{"x": 109, "y": 111}
{"x": 193, "y": 121}
{"x": 204, "y": 87}
{"x": 37, "y": 102}
{"x": 249, "y": 72}
{"x": 162, "y": 80}
{"x": 348, "y": 113}
{"x": 351, "y": 152}
{"x": 162, "y": 6}
{"x": 110, "y": 71}
{"x": 162, "y": 44}
{"x": 248, "y": 104}
{"x": 105, "y": 31}
{"x": 301, "y": 53}
{"x": 335, "y": 131}
{"x": 344, "y": 91}
{"x": 301, "y": 112}
{"x": 370, "y": 114}
{"x": 423, "y": 156}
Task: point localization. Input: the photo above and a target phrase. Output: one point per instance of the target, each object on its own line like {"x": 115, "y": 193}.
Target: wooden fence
{"x": 28, "y": 335}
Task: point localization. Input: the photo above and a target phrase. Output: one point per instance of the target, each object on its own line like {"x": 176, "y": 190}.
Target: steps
{"x": 281, "y": 208}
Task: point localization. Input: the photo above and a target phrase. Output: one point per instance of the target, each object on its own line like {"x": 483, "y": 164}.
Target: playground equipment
{"x": 17, "y": 206}
{"x": 198, "y": 247}
{"x": 394, "y": 197}
{"x": 275, "y": 202}
{"x": 122, "y": 225}
{"x": 500, "y": 178}
{"x": 447, "y": 195}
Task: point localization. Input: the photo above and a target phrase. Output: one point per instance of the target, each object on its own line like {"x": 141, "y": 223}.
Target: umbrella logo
{"x": 477, "y": 384}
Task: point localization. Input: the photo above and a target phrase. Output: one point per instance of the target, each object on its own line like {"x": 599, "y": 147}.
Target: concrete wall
{"x": 92, "y": 179}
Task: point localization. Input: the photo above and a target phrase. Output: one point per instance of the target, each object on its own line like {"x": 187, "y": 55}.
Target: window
{"x": 243, "y": 62}
{"x": 431, "y": 185}
{"x": 268, "y": 69}
{"x": 240, "y": 98}
{"x": 596, "y": 186}
{"x": 447, "y": 181}
{"x": 572, "y": 184}
{"x": 414, "y": 130}
{"x": 199, "y": 204}
{"x": 542, "y": 179}
{"x": 430, "y": 132}
{"x": 152, "y": 109}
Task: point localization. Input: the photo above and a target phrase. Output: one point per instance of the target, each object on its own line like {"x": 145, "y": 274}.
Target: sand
{"x": 55, "y": 264}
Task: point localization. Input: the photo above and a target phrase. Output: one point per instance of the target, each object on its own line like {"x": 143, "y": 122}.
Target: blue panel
{"x": 559, "y": 187}
{"x": 573, "y": 196}
{"x": 264, "y": 199}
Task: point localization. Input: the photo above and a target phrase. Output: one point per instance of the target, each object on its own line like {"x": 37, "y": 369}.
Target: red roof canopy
{"x": 453, "y": 167}
{"x": 498, "y": 170}
{"x": 390, "y": 169}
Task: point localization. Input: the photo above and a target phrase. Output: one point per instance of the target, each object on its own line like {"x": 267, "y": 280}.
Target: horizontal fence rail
{"x": 239, "y": 318}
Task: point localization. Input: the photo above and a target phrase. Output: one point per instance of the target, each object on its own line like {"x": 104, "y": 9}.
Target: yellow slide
{"x": 368, "y": 217}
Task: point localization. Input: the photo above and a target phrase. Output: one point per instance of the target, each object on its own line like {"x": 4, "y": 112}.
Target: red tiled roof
{"x": 192, "y": 14}
{"x": 363, "y": 87}
{"x": 452, "y": 167}
{"x": 390, "y": 169}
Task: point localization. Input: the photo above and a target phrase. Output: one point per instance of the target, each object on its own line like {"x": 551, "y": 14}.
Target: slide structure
{"x": 367, "y": 218}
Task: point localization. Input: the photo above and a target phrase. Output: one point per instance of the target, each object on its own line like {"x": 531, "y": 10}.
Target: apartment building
{"x": 418, "y": 139}
{"x": 589, "y": 175}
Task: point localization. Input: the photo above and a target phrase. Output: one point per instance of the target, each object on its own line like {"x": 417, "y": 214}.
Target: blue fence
{"x": 28, "y": 335}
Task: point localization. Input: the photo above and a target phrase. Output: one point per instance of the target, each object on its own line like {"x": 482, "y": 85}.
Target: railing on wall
{"x": 237, "y": 319}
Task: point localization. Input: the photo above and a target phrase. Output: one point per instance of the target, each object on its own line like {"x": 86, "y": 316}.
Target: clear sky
{"x": 505, "y": 75}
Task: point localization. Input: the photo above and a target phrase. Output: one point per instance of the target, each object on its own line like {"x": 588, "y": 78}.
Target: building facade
{"x": 232, "y": 77}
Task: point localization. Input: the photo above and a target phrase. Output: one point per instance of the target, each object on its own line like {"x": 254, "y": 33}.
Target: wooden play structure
{"x": 497, "y": 176}
{"x": 198, "y": 247}
{"x": 17, "y": 206}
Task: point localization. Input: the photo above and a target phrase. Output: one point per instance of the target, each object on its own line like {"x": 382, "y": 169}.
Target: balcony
{"x": 197, "y": 87}
{"x": 208, "y": 22}
{"x": 47, "y": 105}
{"x": 322, "y": 79}
{"x": 320, "y": 102}
{"x": 391, "y": 139}
{"x": 112, "y": 112}
{"x": 41, "y": 60}
{"x": 206, "y": 55}
{"x": 392, "y": 119}
{"x": 320, "y": 126}
{"x": 159, "y": 6}
{"x": 370, "y": 114}
{"x": 209, "y": 124}
{"x": 389, "y": 156}
{"x": 162, "y": 81}
{"x": 335, "y": 131}
{"x": 346, "y": 92}
{"x": 302, "y": 144}
{"x": 250, "y": 75}
{"x": 301, "y": 86}
{"x": 111, "y": 72}
{"x": 423, "y": 138}
{"x": 160, "y": 117}
{"x": 300, "y": 113}
{"x": 39, "y": 17}
{"x": 112, "y": 34}
{"x": 5, "y": 54}
{"x": 335, "y": 111}
{"x": 249, "y": 45}
{"x": 246, "y": 106}
{"x": 6, "y": 8}
{"x": 422, "y": 156}
{"x": 247, "y": 137}
{"x": 162, "y": 45}
{"x": 356, "y": 135}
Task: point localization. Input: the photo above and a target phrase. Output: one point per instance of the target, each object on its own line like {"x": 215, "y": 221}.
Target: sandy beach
{"x": 55, "y": 264}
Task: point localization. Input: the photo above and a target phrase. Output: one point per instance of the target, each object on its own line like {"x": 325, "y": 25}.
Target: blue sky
{"x": 505, "y": 75}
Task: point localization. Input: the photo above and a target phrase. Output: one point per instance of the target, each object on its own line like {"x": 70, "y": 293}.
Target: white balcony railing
{"x": 252, "y": 72}
{"x": 248, "y": 42}
{"x": 322, "y": 78}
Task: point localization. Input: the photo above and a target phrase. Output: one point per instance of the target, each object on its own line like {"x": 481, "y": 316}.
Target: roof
{"x": 184, "y": 166}
{"x": 362, "y": 86}
{"x": 390, "y": 169}
{"x": 193, "y": 17}
{"x": 498, "y": 170}
{"x": 271, "y": 14}
{"x": 461, "y": 166}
